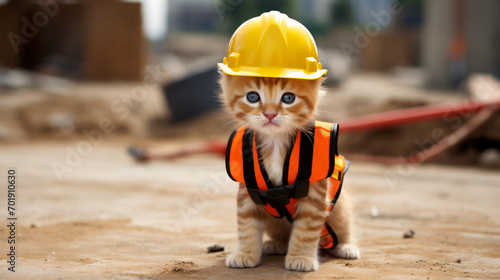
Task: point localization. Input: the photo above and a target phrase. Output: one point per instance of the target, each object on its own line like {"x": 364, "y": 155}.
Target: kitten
{"x": 276, "y": 108}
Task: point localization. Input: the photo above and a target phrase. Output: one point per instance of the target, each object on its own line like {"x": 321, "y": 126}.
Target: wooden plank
{"x": 10, "y": 21}
{"x": 114, "y": 42}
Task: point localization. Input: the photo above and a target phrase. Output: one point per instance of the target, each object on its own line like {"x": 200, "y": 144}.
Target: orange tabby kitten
{"x": 276, "y": 108}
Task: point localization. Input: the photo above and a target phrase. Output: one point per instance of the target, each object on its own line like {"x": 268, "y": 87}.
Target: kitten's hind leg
{"x": 341, "y": 222}
{"x": 279, "y": 233}
{"x": 274, "y": 247}
{"x": 345, "y": 251}
{"x": 250, "y": 228}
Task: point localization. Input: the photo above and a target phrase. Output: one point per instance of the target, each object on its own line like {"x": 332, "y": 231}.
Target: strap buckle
{"x": 255, "y": 195}
{"x": 279, "y": 196}
{"x": 301, "y": 188}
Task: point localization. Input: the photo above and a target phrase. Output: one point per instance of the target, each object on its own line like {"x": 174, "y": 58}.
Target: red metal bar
{"x": 438, "y": 148}
{"x": 374, "y": 121}
{"x": 411, "y": 115}
{"x": 209, "y": 148}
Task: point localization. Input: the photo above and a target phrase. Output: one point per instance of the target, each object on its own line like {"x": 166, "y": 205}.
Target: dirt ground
{"x": 108, "y": 217}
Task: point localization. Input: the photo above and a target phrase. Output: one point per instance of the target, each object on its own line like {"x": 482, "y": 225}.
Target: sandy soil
{"x": 112, "y": 218}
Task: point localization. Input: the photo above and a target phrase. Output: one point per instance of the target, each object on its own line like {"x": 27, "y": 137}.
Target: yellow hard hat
{"x": 272, "y": 45}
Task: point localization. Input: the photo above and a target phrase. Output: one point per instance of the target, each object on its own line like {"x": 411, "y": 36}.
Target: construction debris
{"x": 215, "y": 248}
{"x": 409, "y": 234}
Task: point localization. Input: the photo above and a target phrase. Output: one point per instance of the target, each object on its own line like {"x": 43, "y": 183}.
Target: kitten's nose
{"x": 271, "y": 116}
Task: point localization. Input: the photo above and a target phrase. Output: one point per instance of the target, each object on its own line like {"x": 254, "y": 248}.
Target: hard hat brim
{"x": 272, "y": 72}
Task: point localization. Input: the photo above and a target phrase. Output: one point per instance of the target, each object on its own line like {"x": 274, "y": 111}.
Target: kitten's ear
{"x": 317, "y": 83}
{"x": 224, "y": 85}
{"x": 319, "y": 86}
{"x": 321, "y": 80}
{"x": 221, "y": 75}
{"x": 223, "y": 78}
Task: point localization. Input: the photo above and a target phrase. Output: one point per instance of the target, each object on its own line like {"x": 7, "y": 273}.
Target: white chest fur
{"x": 275, "y": 147}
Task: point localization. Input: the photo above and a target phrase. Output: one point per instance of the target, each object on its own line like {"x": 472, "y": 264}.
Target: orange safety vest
{"x": 312, "y": 157}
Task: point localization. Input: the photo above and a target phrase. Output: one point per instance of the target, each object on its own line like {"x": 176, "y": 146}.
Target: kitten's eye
{"x": 288, "y": 98}
{"x": 253, "y": 97}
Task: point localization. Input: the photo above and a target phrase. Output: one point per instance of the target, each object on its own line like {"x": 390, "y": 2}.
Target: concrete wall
{"x": 436, "y": 37}
{"x": 482, "y": 31}
{"x": 483, "y": 36}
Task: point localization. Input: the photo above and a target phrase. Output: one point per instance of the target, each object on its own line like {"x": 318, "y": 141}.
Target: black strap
{"x": 333, "y": 202}
{"x": 341, "y": 178}
{"x": 228, "y": 154}
{"x": 334, "y": 138}
{"x": 286, "y": 213}
{"x": 248, "y": 167}
{"x": 305, "y": 163}
{"x": 277, "y": 197}
{"x": 306, "y": 154}
{"x": 263, "y": 171}
{"x": 286, "y": 163}
{"x": 301, "y": 189}
{"x": 334, "y": 135}
{"x": 334, "y": 237}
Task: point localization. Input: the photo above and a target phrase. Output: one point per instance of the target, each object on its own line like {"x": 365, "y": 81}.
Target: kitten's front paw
{"x": 345, "y": 251}
{"x": 301, "y": 263}
{"x": 241, "y": 260}
{"x": 273, "y": 247}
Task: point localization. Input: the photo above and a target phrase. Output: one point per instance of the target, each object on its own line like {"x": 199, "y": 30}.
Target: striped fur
{"x": 299, "y": 241}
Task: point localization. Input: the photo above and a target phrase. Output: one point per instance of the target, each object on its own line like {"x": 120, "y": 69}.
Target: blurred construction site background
{"x": 110, "y": 120}
{"x": 141, "y": 70}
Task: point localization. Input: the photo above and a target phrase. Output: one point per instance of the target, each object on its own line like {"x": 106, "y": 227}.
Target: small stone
{"x": 490, "y": 158}
{"x": 409, "y": 234}
{"x": 45, "y": 259}
{"x": 459, "y": 261}
{"x": 215, "y": 248}
{"x": 62, "y": 121}
{"x": 374, "y": 211}
{"x": 4, "y": 133}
